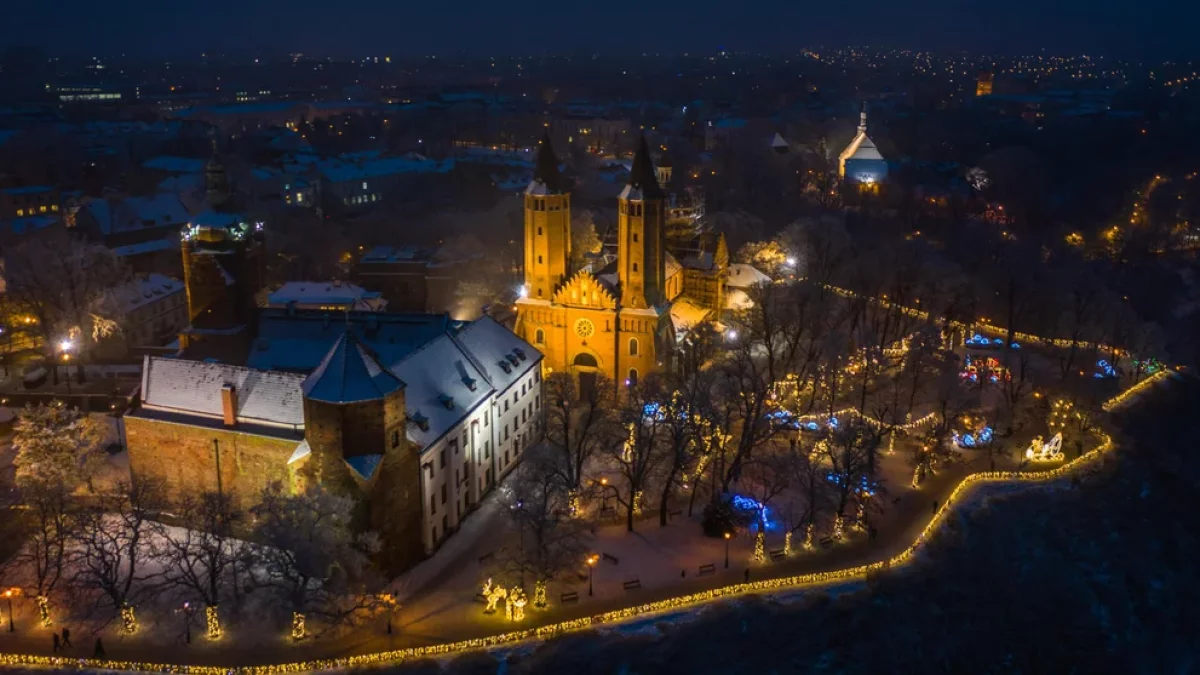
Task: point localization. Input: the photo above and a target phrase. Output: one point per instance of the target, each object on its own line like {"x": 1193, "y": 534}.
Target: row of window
{"x": 31, "y": 211}
{"x": 361, "y": 199}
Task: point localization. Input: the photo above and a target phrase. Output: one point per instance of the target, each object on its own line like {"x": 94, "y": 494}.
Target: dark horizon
{"x": 1154, "y": 30}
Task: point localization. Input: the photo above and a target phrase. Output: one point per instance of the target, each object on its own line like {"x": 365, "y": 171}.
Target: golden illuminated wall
{"x": 547, "y": 243}
{"x": 641, "y": 252}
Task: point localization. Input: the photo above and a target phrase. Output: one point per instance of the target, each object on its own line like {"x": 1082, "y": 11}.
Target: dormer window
{"x": 520, "y": 353}
{"x": 512, "y": 358}
{"x": 505, "y": 366}
{"x": 470, "y": 382}
{"x": 420, "y": 420}
{"x": 446, "y": 400}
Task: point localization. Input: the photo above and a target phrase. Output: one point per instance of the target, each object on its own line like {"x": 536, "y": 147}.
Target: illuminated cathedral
{"x": 624, "y": 319}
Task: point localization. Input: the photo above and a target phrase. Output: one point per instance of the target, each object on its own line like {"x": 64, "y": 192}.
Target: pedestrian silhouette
{"x": 56, "y": 643}
{"x": 99, "y": 654}
{"x": 935, "y": 506}
{"x": 67, "y": 638}
{"x": 747, "y": 575}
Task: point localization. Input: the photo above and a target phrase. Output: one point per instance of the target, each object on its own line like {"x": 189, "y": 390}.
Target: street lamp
{"x": 9, "y": 594}
{"x": 389, "y": 602}
{"x": 187, "y": 613}
{"x": 727, "y": 537}
{"x": 591, "y": 563}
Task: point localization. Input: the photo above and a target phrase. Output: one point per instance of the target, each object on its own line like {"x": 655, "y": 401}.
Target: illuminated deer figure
{"x": 1045, "y": 452}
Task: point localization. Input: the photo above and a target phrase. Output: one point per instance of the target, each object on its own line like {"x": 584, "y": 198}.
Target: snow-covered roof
{"x": 319, "y": 293}
{"x": 631, "y": 193}
{"x": 299, "y": 341}
{"x": 143, "y": 291}
{"x": 671, "y": 265}
{"x": 438, "y": 378}
{"x": 778, "y": 143}
{"x": 349, "y": 373}
{"x": 736, "y": 299}
{"x": 742, "y": 275}
{"x": 489, "y": 343}
{"x": 864, "y": 148}
{"x": 364, "y": 465}
{"x": 135, "y": 213}
{"x": 686, "y": 315}
{"x": 152, "y": 246}
{"x": 268, "y": 397}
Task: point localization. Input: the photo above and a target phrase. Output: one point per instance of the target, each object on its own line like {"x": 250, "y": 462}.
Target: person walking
{"x": 99, "y": 653}
{"x": 56, "y": 643}
{"x": 935, "y": 507}
{"x": 66, "y": 642}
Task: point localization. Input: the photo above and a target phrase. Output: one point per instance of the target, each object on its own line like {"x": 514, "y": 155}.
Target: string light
{"x": 128, "y": 619}
{"x": 787, "y": 543}
{"x": 808, "y": 536}
{"x": 43, "y": 605}
{"x": 539, "y": 594}
{"x": 760, "y": 547}
{"x": 298, "y": 629}
{"x": 515, "y": 606}
{"x": 838, "y": 527}
{"x": 553, "y": 630}
{"x": 212, "y": 622}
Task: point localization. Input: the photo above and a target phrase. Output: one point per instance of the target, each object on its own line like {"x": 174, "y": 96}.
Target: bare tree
{"x": 51, "y": 519}
{"x": 683, "y": 415}
{"x": 847, "y": 448}
{"x": 309, "y": 555}
{"x": 634, "y": 448}
{"x": 549, "y": 539}
{"x": 115, "y": 548}
{"x": 577, "y": 427}
{"x": 202, "y": 557}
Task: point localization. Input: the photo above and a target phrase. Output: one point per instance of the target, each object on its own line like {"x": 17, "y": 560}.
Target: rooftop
{"x": 350, "y": 373}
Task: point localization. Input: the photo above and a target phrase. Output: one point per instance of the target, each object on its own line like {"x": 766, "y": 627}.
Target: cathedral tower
{"x": 641, "y": 235}
{"x": 547, "y": 226}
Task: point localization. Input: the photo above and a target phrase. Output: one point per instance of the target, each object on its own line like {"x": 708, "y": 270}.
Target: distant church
{"x": 860, "y": 163}
{"x": 624, "y": 320}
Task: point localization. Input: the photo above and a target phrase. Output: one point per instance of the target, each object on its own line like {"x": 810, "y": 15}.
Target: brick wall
{"x": 183, "y": 457}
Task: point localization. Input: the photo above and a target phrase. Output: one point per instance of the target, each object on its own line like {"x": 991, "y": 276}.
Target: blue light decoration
{"x": 1015, "y": 345}
{"x": 762, "y": 513}
{"x": 973, "y": 440}
{"x": 865, "y": 487}
{"x": 980, "y": 342}
{"x": 1104, "y": 370}
{"x": 812, "y": 426}
{"x": 833, "y": 422}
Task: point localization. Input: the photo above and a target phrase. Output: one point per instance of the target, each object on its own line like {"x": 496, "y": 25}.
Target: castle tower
{"x": 641, "y": 235}
{"x": 547, "y": 226}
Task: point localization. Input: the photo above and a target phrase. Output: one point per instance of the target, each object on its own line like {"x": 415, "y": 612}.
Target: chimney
{"x": 229, "y": 404}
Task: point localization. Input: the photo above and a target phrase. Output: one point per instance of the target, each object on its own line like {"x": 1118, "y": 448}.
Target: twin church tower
{"x": 615, "y": 321}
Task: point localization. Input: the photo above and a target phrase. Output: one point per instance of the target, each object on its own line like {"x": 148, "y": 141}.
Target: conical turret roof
{"x": 546, "y": 177}
{"x": 643, "y": 184}
{"x": 350, "y": 373}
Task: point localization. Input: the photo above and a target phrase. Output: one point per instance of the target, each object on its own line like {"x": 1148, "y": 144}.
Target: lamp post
{"x": 389, "y": 604}
{"x": 65, "y": 347}
{"x": 9, "y": 594}
{"x": 187, "y": 622}
{"x": 727, "y": 537}
{"x": 591, "y": 563}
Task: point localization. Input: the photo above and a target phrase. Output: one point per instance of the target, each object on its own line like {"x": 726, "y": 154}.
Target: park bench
{"x": 569, "y": 597}
{"x": 707, "y": 570}
{"x": 778, "y": 554}
{"x": 632, "y": 584}
{"x": 611, "y": 558}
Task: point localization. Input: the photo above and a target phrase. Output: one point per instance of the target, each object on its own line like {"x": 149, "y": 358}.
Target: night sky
{"x": 1152, "y": 28}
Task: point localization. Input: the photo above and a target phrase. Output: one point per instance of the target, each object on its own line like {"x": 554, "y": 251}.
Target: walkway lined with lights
{"x": 512, "y": 638}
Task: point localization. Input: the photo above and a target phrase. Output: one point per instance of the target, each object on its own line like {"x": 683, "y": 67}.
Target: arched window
{"x": 634, "y": 267}
{"x": 632, "y": 380}
{"x": 540, "y": 336}
{"x": 539, "y": 230}
{"x": 633, "y": 346}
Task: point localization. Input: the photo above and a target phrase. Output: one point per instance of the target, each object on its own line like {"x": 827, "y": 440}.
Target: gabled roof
{"x": 546, "y": 178}
{"x": 269, "y": 397}
{"x": 488, "y": 344}
{"x": 438, "y": 392}
{"x": 350, "y": 374}
{"x": 643, "y": 184}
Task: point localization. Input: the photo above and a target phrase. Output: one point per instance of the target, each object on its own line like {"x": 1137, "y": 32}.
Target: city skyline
{"x": 139, "y": 28}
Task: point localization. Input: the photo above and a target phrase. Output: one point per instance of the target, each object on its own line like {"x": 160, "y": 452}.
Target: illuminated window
{"x": 54, "y": 207}
{"x": 43, "y": 208}
{"x": 364, "y": 185}
{"x": 20, "y": 212}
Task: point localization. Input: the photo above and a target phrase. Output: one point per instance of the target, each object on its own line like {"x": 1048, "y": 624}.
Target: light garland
{"x": 808, "y": 536}
{"x": 787, "y": 543}
{"x": 514, "y": 608}
{"x": 1045, "y": 452}
{"x": 298, "y": 628}
{"x": 128, "y": 620}
{"x": 212, "y": 622}
{"x": 838, "y": 527}
{"x": 1128, "y": 395}
{"x": 43, "y": 605}
{"x": 553, "y": 630}
{"x": 539, "y": 594}
{"x": 760, "y": 547}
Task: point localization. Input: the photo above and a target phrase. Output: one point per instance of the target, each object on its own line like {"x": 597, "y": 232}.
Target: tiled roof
{"x": 195, "y": 387}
